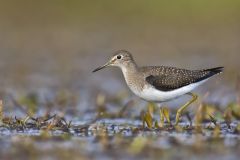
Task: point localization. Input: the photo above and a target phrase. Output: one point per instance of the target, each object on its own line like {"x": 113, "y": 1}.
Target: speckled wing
{"x": 173, "y": 78}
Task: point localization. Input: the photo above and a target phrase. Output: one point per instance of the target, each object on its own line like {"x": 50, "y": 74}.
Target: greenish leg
{"x": 180, "y": 110}
{"x": 161, "y": 116}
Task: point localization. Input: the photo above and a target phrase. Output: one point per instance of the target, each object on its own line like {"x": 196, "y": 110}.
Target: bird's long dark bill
{"x": 99, "y": 68}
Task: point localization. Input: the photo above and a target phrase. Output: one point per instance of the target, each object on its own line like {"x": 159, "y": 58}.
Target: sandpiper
{"x": 159, "y": 83}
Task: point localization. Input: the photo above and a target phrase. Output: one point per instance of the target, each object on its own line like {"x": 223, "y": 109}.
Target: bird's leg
{"x": 161, "y": 116}
{"x": 164, "y": 114}
{"x": 180, "y": 110}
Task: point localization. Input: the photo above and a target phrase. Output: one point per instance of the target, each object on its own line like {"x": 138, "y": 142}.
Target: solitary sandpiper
{"x": 160, "y": 83}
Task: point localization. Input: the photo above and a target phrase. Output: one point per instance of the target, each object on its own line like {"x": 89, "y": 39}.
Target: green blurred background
{"x": 58, "y": 43}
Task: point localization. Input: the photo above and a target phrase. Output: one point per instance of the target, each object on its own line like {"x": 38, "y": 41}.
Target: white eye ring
{"x": 119, "y": 57}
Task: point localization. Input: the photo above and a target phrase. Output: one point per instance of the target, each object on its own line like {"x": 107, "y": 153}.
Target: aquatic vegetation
{"x": 114, "y": 127}
{"x": 205, "y": 114}
{"x": 120, "y": 132}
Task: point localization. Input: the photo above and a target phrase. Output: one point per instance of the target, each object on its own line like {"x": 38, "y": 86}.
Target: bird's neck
{"x": 132, "y": 77}
{"x": 130, "y": 68}
{"x": 130, "y": 71}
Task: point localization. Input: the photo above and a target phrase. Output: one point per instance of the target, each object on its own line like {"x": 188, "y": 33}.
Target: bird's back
{"x": 169, "y": 78}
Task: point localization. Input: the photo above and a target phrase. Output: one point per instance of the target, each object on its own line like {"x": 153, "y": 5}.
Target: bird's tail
{"x": 216, "y": 70}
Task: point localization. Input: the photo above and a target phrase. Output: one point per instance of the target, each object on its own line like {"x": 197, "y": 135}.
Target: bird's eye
{"x": 119, "y": 57}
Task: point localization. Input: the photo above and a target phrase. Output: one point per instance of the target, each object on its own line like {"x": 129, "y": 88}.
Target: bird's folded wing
{"x": 169, "y": 82}
{"x": 172, "y": 79}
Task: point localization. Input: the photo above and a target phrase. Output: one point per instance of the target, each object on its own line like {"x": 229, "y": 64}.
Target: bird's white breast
{"x": 150, "y": 93}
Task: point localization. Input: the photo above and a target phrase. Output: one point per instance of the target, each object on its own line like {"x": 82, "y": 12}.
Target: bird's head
{"x": 121, "y": 59}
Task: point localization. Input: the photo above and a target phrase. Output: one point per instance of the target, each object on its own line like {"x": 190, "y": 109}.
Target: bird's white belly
{"x": 150, "y": 93}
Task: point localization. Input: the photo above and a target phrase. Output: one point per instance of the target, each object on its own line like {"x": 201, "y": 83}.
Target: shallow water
{"x": 108, "y": 139}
